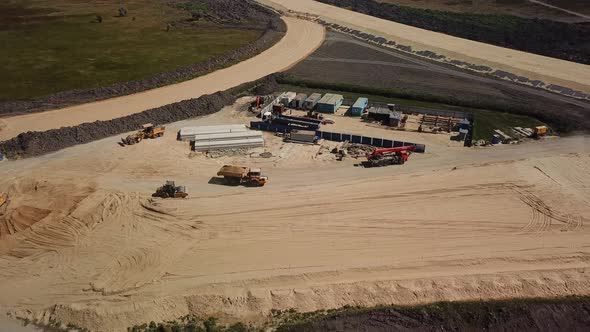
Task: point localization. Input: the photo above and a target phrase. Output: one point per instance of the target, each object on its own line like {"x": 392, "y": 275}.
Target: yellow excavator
{"x": 148, "y": 130}
{"x": 3, "y": 199}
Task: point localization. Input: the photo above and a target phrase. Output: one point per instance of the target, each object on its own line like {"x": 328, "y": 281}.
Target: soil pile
{"x": 252, "y": 16}
{"x": 538, "y": 315}
{"x": 554, "y": 39}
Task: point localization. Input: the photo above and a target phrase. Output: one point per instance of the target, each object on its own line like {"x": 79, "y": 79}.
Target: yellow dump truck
{"x": 236, "y": 175}
{"x": 539, "y": 131}
{"x": 148, "y": 130}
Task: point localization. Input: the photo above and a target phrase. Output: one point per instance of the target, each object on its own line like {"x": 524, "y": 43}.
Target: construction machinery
{"x": 3, "y": 199}
{"x": 170, "y": 190}
{"x": 236, "y": 175}
{"x": 539, "y": 131}
{"x": 256, "y": 104}
{"x": 148, "y": 130}
{"x": 388, "y": 156}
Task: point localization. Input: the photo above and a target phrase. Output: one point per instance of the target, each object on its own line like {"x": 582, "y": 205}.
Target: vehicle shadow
{"x": 220, "y": 181}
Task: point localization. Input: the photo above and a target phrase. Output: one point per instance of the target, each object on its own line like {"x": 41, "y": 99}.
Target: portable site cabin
{"x": 286, "y": 98}
{"x": 311, "y": 101}
{"x": 330, "y": 103}
{"x": 298, "y": 101}
{"x": 379, "y": 114}
{"x": 358, "y": 107}
{"x": 394, "y": 119}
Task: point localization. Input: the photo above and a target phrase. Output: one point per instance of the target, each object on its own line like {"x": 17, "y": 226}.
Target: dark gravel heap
{"x": 550, "y": 38}
{"x": 266, "y": 20}
{"x": 536, "y": 315}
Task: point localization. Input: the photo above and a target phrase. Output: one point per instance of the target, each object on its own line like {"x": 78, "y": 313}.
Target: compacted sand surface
{"x": 83, "y": 242}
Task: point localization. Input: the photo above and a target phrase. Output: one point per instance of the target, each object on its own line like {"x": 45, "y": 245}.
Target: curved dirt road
{"x": 549, "y": 70}
{"x": 301, "y": 39}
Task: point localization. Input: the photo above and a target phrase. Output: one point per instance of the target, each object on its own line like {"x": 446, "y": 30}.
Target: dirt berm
{"x": 34, "y": 143}
{"x": 243, "y": 14}
{"x": 519, "y": 315}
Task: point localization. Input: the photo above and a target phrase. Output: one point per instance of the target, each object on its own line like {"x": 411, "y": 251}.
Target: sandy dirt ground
{"x": 83, "y": 241}
{"x": 301, "y": 39}
{"x": 549, "y": 70}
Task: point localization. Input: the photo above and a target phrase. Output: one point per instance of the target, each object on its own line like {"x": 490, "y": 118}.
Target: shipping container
{"x": 298, "y": 101}
{"x": 303, "y": 136}
{"x": 287, "y": 97}
{"x": 330, "y": 103}
{"x": 188, "y": 133}
{"x": 358, "y": 107}
{"x": 311, "y": 101}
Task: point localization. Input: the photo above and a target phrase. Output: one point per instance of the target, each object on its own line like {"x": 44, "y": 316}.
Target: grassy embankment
{"x": 53, "y": 46}
{"x": 486, "y": 121}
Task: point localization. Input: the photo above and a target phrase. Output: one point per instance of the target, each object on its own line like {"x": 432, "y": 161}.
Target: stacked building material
{"x": 303, "y": 136}
{"x": 190, "y": 133}
{"x": 246, "y": 139}
{"x": 220, "y": 137}
{"x": 297, "y": 122}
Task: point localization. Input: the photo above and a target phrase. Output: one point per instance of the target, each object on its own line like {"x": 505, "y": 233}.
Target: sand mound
{"x": 20, "y": 219}
{"x": 36, "y": 214}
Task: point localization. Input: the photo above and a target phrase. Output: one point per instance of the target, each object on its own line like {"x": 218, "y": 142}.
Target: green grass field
{"x": 52, "y": 46}
{"x": 486, "y": 121}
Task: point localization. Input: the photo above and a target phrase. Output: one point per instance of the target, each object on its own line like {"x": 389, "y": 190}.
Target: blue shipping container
{"x": 358, "y": 107}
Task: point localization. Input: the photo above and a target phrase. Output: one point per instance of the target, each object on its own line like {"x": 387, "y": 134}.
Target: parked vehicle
{"x": 236, "y": 175}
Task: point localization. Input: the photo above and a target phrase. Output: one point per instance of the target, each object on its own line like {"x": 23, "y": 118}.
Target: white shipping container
{"x": 287, "y": 97}
{"x": 303, "y": 136}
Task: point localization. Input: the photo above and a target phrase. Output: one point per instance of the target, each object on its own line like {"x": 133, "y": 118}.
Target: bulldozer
{"x": 170, "y": 190}
{"x": 148, "y": 130}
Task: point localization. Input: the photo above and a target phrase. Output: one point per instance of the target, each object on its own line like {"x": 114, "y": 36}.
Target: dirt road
{"x": 420, "y": 64}
{"x": 83, "y": 241}
{"x": 586, "y": 17}
{"x": 302, "y": 38}
{"x": 549, "y": 70}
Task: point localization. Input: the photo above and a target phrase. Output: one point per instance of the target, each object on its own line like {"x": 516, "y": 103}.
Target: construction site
{"x": 227, "y": 196}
